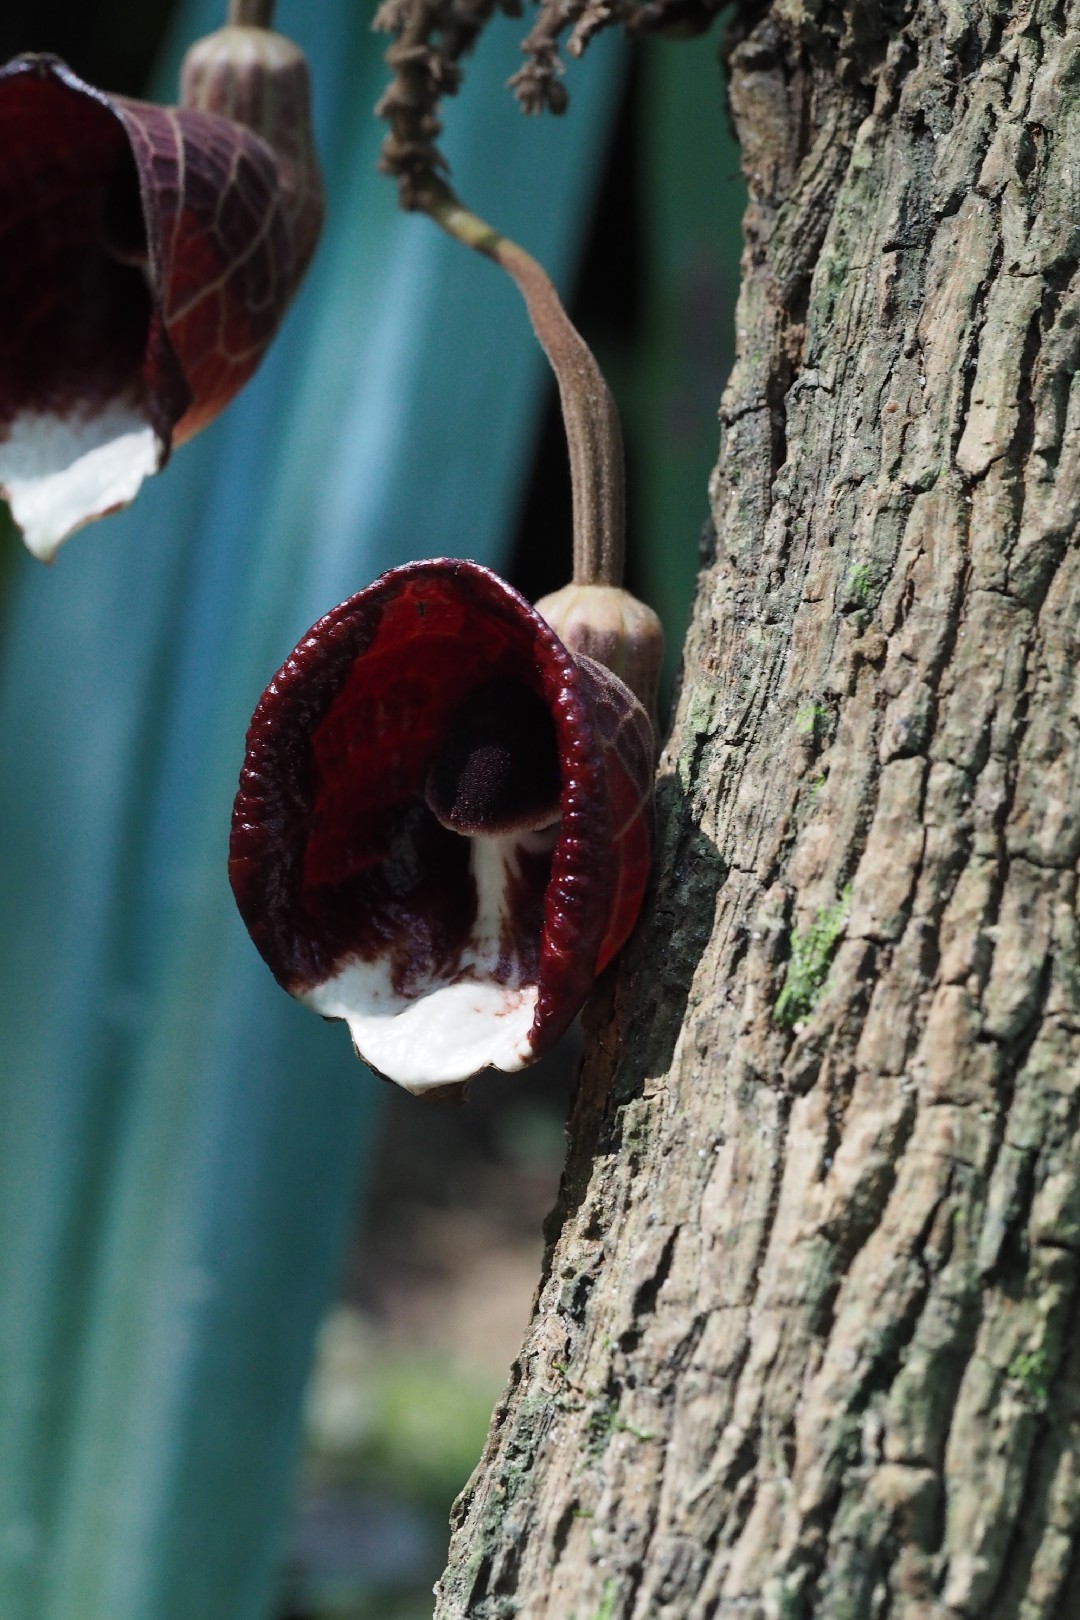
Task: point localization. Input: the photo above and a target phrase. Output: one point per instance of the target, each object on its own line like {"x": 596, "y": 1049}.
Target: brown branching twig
{"x": 432, "y": 36}
{"x": 538, "y": 85}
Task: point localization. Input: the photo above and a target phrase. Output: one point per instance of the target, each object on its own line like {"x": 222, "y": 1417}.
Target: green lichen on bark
{"x": 811, "y": 952}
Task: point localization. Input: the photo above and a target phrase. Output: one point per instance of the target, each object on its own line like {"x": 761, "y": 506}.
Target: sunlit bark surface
{"x": 806, "y": 1343}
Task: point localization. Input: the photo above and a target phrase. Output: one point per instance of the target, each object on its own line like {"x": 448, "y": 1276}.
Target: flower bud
{"x": 260, "y": 79}
{"x": 607, "y": 623}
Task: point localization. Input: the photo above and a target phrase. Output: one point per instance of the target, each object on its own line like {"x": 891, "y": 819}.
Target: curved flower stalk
{"x": 147, "y": 255}
{"x": 442, "y": 831}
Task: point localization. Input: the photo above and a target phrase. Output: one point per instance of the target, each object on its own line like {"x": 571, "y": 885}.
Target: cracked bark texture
{"x": 806, "y": 1343}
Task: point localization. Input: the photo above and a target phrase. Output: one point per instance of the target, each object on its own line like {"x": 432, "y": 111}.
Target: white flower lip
{"x": 455, "y": 1027}
{"x": 61, "y": 472}
{"x": 432, "y": 1040}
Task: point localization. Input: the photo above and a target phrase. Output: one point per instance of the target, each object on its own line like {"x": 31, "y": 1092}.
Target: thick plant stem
{"x": 806, "y": 1342}
{"x": 251, "y": 13}
{"x": 589, "y": 412}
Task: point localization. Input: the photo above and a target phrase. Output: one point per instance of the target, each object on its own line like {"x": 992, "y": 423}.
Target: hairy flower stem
{"x": 251, "y": 13}
{"x": 589, "y": 412}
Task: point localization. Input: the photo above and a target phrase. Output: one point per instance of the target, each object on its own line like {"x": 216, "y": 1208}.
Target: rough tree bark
{"x": 806, "y": 1343}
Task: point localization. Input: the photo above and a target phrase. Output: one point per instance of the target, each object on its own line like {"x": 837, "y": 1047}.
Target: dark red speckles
{"x": 335, "y": 854}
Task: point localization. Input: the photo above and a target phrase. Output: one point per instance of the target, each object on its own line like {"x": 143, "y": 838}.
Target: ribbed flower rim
{"x": 445, "y": 950}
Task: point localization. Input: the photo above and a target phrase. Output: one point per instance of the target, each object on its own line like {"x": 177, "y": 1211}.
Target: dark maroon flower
{"x": 442, "y": 829}
{"x": 147, "y": 255}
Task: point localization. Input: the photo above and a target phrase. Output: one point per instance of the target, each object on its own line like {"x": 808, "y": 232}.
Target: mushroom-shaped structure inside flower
{"x": 442, "y": 829}
{"x": 147, "y": 255}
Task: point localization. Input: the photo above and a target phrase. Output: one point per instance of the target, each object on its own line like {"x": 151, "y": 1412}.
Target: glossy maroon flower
{"x": 147, "y": 255}
{"x": 442, "y": 829}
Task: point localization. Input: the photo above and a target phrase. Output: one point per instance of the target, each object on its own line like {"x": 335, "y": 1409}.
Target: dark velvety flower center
{"x": 497, "y": 770}
{"x": 71, "y": 241}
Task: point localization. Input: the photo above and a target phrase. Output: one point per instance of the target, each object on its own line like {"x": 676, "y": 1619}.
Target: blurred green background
{"x": 202, "y": 1194}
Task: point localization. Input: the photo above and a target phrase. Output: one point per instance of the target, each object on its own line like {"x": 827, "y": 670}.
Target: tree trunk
{"x": 806, "y": 1342}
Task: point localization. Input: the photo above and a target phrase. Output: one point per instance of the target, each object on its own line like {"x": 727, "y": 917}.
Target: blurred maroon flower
{"x": 442, "y": 829}
{"x": 147, "y": 255}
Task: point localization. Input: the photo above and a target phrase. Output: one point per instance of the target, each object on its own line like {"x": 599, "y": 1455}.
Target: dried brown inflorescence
{"x": 432, "y": 36}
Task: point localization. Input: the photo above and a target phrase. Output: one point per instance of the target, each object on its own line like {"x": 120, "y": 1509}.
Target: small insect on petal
{"x": 442, "y": 830}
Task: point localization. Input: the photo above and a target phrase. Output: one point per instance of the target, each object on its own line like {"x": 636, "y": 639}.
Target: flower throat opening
{"x": 497, "y": 769}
